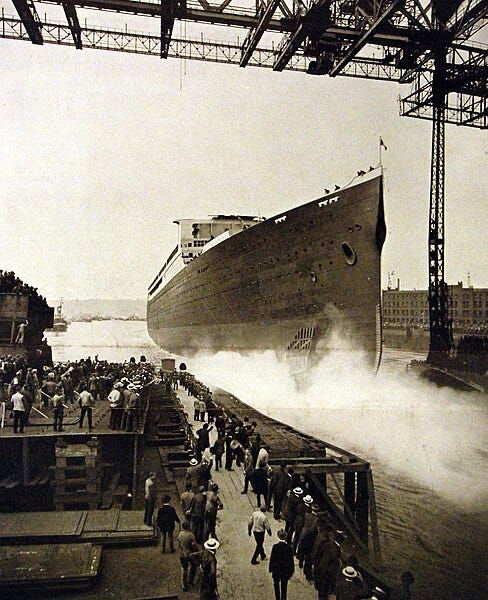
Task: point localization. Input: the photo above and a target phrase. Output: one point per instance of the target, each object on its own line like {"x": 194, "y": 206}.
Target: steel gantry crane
{"x": 430, "y": 45}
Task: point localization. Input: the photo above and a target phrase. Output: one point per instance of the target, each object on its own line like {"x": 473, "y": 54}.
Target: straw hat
{"x": 298, "y": 491}
{"x": 349, "y": 572}
{"x": 308, "y": 500}
{"x": 193, "y": 462}
{"x": 211, "y": 544}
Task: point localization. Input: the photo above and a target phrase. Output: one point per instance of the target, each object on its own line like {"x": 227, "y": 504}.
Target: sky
{"x": 100, "y": 152}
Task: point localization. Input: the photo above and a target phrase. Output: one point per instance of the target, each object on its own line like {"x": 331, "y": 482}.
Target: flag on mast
{"x": 382, "y": 143}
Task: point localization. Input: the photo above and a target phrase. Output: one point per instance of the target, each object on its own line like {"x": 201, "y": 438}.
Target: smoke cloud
{"x": 435, "y": 437}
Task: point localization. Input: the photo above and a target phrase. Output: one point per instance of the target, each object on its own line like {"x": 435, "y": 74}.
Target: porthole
{"x": 349, "y": 253}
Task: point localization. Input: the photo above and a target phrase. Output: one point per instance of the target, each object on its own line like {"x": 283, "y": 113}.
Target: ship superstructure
{"x": 243, "y": 283}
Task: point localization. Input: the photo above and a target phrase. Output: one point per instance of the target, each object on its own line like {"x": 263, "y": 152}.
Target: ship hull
{"x": 285, "y": 284}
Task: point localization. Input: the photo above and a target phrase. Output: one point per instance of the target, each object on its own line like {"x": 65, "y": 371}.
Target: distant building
{"x": 469, "y": 308}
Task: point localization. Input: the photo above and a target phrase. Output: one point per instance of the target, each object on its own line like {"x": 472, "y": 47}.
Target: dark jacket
{"x": 166, "y": 518}
{"x": 281, "y": 563}
{"x": 259, "y": 481}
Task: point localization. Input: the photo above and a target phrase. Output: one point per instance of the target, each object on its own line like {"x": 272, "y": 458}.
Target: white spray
{"x": 436, "y": 437}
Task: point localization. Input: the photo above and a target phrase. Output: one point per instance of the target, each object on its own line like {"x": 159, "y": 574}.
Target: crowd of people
{"x": 84, "y": 383}
{"x": 308, "y": 534}
{"x": 11, "y": 284}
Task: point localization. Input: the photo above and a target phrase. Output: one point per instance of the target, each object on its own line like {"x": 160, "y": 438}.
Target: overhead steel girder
{"x": 28, "y": 16}
{"x": 472, "y": 17}
{"x": 73, "y": 23}
{"x": 167, "y": 23}
{"x": 313, "y": 23}
{"x": 366, "y": 37}
{"x": 254, "y": 36}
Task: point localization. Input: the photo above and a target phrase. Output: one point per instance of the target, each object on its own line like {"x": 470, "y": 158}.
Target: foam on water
{"x": 437, "y": 437}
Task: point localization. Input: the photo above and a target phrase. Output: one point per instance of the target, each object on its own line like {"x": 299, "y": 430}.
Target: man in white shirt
{"x": 150, "y": 498}
{"x": 19, "y": 410}
{"x": 258, "y": 525}
{"x": 86, "y": 402}
{"x": 115, "y": 402}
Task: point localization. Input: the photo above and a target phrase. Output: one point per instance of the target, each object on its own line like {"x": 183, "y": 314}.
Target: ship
{"x": 286, "y": 283}
{"x": 60, "y": 323}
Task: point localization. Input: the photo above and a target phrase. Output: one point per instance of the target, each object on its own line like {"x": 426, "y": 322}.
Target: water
{"x": 428, "y": 447}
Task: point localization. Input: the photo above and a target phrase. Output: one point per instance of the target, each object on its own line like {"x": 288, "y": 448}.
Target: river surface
{"x": 428, "y": 446}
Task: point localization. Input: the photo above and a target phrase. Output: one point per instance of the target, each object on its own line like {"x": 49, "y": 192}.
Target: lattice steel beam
{"x": 366, "y": 37}
{"x": 73, "y": 23}
{"x": 191, "y": 49}
{"x": 254, "y": 36}
{"x": 28, "y": 14}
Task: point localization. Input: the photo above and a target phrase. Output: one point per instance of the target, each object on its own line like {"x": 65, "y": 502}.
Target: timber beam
{"x": 28, "y": 16}
{"x": 73, "y": 23}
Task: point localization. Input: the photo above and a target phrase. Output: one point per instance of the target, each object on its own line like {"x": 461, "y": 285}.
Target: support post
{"x": 25, "y": 461}
{"x": 375, "y": 534}
{"x": 362, "y": 506}
{"x": 440, "y": 322}
{"x": 349, "y": 492}
{"x": 135, "y": 471}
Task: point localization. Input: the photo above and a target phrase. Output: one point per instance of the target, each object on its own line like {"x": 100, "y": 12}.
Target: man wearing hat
{"x": 166, "y": 520}
{"x": 293, "y": 501}
{"x": 281, "y": 565}
{"x": 350, "y": 586}
{"x": 193, "y": 473}
{"x": 115, "y": 403}
{"x": 304, "y": 510}
{"x": 208, "y": 564}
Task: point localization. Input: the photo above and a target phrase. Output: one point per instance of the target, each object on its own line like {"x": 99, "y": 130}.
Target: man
{"x": 402, "y": 592}
{"x": 326, "y": 561}
{"x": 258, "y": 525}
{"x": 48, "y": 389}
{"x": 196, "y": 409}
{"x": 349, "y": 586}
{"x": 58, "y": 411}
{"x": 21, "y": 333}
{"x": 213, "y": 504}
{"x": 281, "y": 565}
{"x": 150, "y": 498}
{"x": 185, "y": 499}
{"x": 86, "y": 402}
{"x": 248, "y": 469}
{"x": 197, "y": 514}
{"x": 131, "y": 407}
{"x": 18, "y": 409}
{"x": 115, "y": 403}
{"x": 187, "y": 545}
{"x": 166, "y": 520}
{"x": 292, "y": 503}
{"x": 208, "y": 563}
{"x": 203, "y": 440}
{"x": 280, "y": 486}
{"x": 193, "y": 473}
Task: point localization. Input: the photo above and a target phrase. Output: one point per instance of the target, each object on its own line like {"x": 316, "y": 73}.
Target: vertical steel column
{"x": 440, "y": 323}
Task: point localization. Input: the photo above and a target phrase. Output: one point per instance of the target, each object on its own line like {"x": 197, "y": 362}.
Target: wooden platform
{"x": 100, "y": 526}
{"x": 48, "y": 567}
{"x": 41, "y": 422}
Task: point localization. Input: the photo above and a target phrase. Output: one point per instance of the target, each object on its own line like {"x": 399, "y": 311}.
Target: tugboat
{"x": 60, "y": 323}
